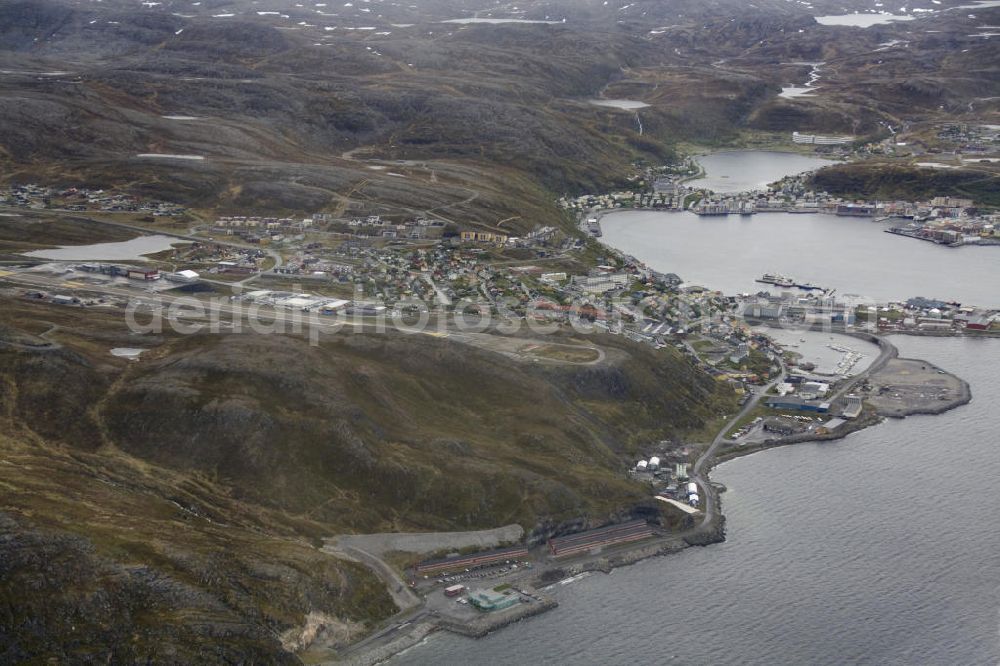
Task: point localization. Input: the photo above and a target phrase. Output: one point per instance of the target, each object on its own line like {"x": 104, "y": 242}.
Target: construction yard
{"x": 908, "y": 386}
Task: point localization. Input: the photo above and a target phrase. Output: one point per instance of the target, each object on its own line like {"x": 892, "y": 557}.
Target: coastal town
{"x": 372, "y": 267}
{"x": 946, "y": 221}
{"x": 449, "y": 332}
{"x": 369, "y": 271}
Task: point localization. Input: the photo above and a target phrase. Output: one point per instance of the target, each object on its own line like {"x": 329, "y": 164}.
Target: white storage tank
{"x": 654, "y": 464}
{"x": 642, "y": 465}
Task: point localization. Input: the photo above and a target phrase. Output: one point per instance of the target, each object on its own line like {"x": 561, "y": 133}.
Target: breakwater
{"x": 489, "y": 623}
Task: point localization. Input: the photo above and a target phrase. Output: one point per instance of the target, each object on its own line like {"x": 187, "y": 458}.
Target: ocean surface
{"x": 851, "y": 255}
{"x": 882, "y": 548}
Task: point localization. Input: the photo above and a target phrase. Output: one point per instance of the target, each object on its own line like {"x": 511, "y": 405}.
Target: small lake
{"x": 861, "y": 20}
{"x": 130, "y": 250}
{"x": 130, "y": 353}
{"x": 624, "y": 104}
{"x": 745, "y": 170}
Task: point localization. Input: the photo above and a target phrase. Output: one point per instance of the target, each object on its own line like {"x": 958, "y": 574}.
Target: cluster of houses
{"x": 947, "y": 220}
{"x": 261, "y": 230}
{"x": 424, "y": 273}
{"x": 925, "y": 314}
{"x": 274, "y": 229}
{"x": 671, "y": 198}
{"x": 971, "y": 138}
{"x": 417, "y": 229}
{"x": 954, "y": 232}
{"x": 440, "y": 272}
{"x": 219, "y": 258}
{"x": 308, "y": 263}
{"x": 919, "y": 314}
{"x": 262, "y": 223}
{"x": 84, "y": 199}
{"x": 811, "y": 309}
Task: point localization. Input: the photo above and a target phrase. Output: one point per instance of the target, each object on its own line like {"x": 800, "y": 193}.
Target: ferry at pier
{"x": 776, "y": 279}
{"x": 779, "y": 280}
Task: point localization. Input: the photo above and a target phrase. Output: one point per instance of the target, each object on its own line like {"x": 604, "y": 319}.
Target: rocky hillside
{"x": 290, "y": 107}
{"x": 904, "y": 182}
{"x": 169, "y": 509}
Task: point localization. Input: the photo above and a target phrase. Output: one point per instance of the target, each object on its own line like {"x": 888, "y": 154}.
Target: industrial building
{"x": 294, "y": 301}
{"x": 788, "y": 402}
{"x": 183, "y": 276}
{"x": 854, "y": 210}
{"x": 766, "y": 310}
{"x": 854, "y": 406}
{"x": 980, "y": 322}
{"x": 820, "y": 139}
{"x": 601, "y": 283}
{"x": 780, "y": 426}
{"x": 113, "y": 270}
{"x": 582, "y": 542}
{"x": 490, "y": 600}
{"x": 472, "y": 561}
{"x": 143, "y": 274}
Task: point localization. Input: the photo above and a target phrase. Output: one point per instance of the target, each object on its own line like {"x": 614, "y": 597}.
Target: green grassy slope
{"x": 189, "y": 490}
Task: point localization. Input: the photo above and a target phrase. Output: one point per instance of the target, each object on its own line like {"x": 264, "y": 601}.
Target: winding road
{"x": 400, "y": 592}
{"x": 888, "y": 352}
{"x": 697, "y": 474}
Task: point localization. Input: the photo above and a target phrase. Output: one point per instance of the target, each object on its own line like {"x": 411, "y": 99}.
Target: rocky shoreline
{"x": 710, "y": 532}
{"x": 870, "y": 417}
{"x": 715, "y": 532}
{"x": 477, "y": 628}
{"x": 382, "y": 653}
